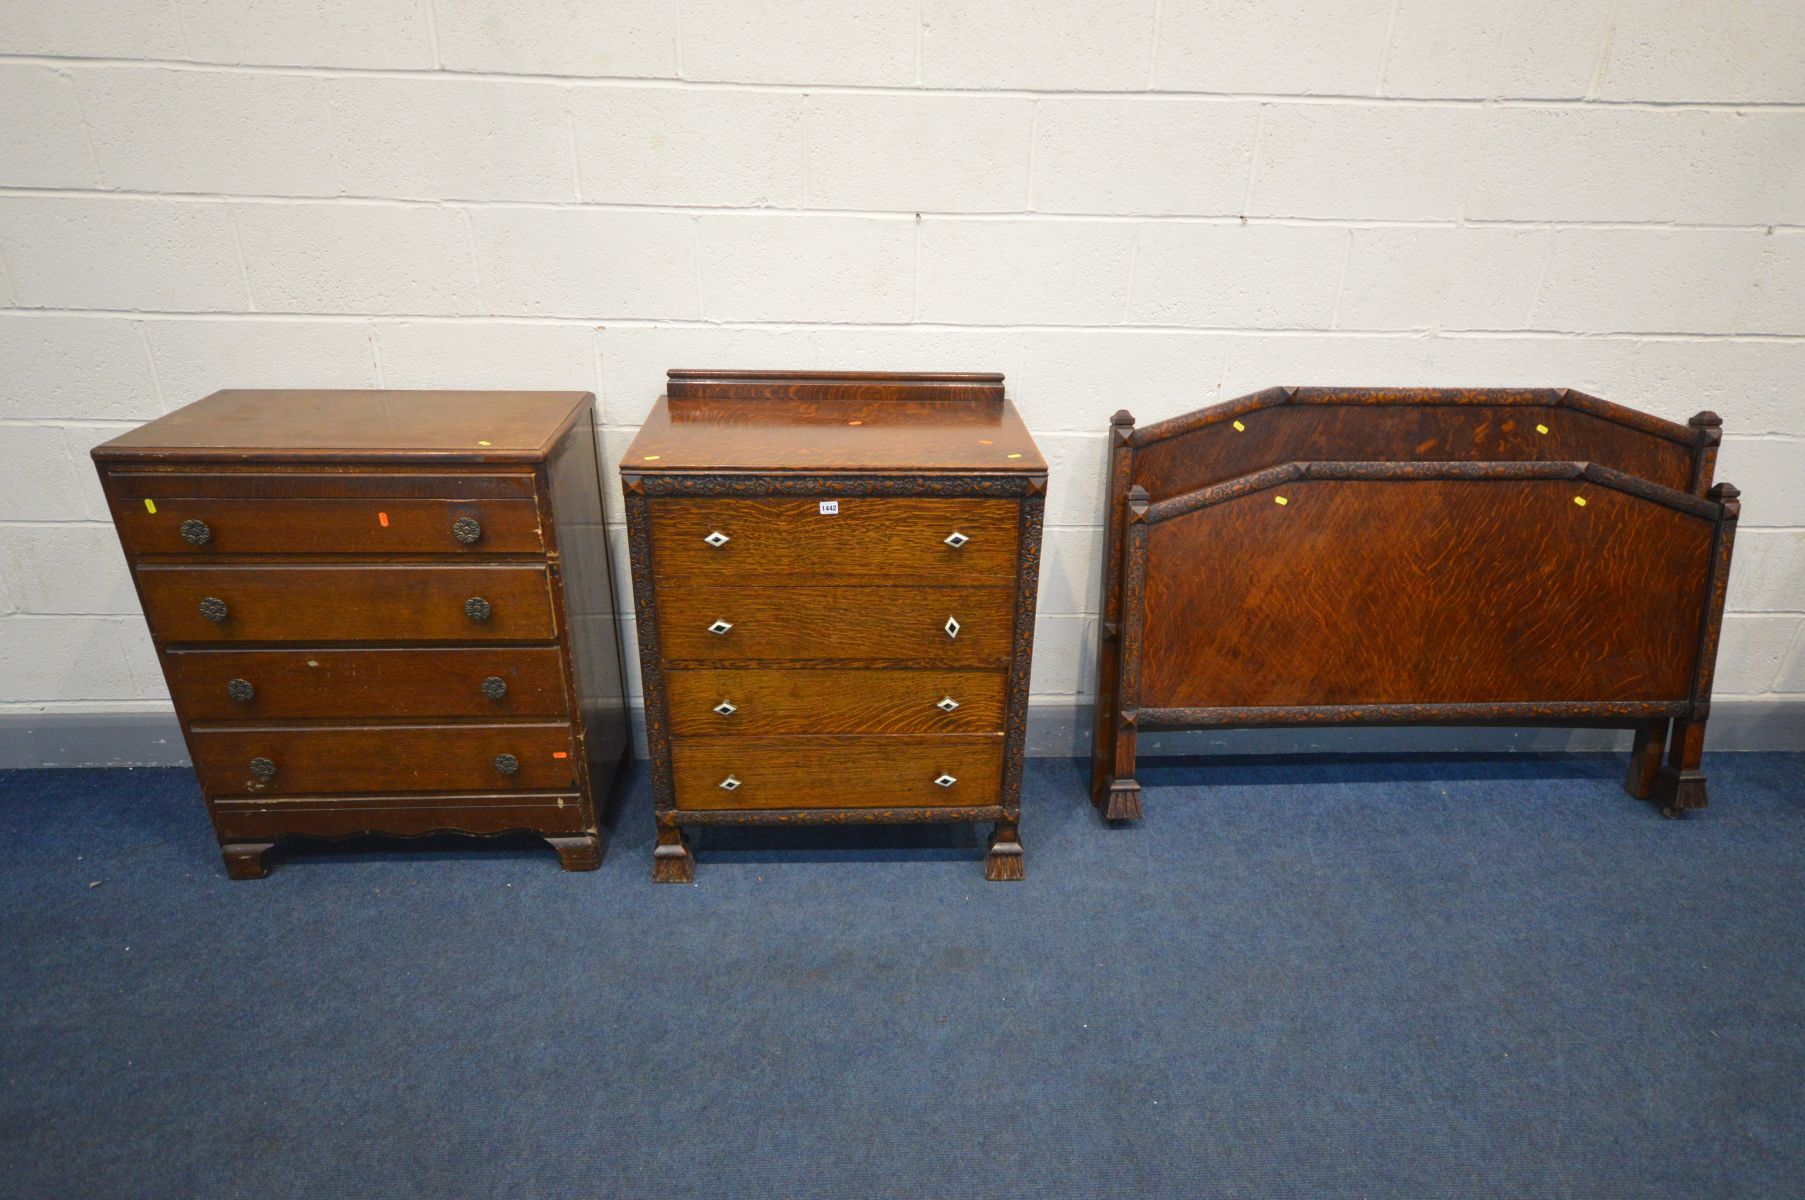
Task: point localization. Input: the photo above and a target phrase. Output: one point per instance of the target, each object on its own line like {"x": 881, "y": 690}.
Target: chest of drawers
{"x": 834, "y": 577}
{"x": 380, "y": 612}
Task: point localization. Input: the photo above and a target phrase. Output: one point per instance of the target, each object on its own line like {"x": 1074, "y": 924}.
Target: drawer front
{"x": 223, "y": 526}
{"x": 276, "y": 760}
{"x": 774, "y": 540}
{"x": 725, "y": 702}
{"x": 348, "y": 603}
{"x": 265, "y": 818}
{"x": 258, "y": 685}
{"x": 800, "y": 624}
{"x": 827, "y": 772}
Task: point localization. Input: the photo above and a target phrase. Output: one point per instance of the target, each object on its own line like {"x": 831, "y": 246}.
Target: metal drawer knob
{"x": 507, "y": 764}
{"x": 952, "y": 628}
{"x": 720, "y": 627}
{"x": 947, "y": 704}
{"x": 717, "y": 539}
{"x": 955, "y": 539}
{"x": 495, "y": 687}
{"x": 945, "y": 780}
{"x": 263, "y": 769}
{"x": 467, "y": 530}
{"x": 477, "y": 609}
{"x": 240, "y": 690}
{"x": 195, "y": 533}
{"x": 729, "y": 784}
{"x": 214, "y": 609}
{"x": 726, "y": 708}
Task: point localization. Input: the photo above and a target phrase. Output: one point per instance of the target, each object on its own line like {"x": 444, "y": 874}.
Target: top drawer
{"x": 233, "y": 513}
{"x": 772, "y": 539}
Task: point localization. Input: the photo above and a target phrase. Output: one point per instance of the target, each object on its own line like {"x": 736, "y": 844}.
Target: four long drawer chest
{"x": 380, "y": 612}
{"x": 834, "y": 578}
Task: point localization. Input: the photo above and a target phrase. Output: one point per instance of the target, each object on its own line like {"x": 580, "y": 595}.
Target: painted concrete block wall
{"x": 1154, "y": 204}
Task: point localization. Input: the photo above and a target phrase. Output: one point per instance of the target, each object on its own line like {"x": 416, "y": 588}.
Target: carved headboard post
{"x": 1115, "y": 500}
{"x": 1710, "y": 427}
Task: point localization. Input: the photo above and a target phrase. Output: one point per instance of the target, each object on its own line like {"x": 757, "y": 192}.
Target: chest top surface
{"x": 298, "y": 426}
{"x": 740, "y": 421}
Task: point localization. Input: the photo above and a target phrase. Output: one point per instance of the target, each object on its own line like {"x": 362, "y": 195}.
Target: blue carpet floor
{"x": 1424, "y": 977}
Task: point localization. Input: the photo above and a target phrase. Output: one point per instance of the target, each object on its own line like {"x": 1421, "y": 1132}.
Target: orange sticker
{"x": 383, "y": 519}
{"x": 560, "y": 754}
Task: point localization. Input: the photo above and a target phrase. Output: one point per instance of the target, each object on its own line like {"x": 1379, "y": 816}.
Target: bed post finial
{"x": 1709, "y": 425}
{"x": 1727, "y": 494}
{"x": 1138, "y": 500}
{"x": 1121, "y": 427}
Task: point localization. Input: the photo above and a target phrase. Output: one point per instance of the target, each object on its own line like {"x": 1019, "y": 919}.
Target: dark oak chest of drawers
{"x": 380, "y": 612}
{"x": 834, "y": 577}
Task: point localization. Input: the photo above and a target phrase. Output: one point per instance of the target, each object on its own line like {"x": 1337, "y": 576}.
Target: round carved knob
{"x": 477, "y": 608}
{"x": 263, "y": 769}
{"x": 214, "y": 609}
{"x": 195, "y": 533}
{"x": 240, "y": 690}
{"x": 466, "y": 530}
{"x": 507, "y": 764}
{"x": 495, "y": 687}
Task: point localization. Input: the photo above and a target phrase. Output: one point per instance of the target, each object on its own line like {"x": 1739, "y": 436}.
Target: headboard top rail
{"x": 1271, "y": 477}
{"x": 1704, "y": 429}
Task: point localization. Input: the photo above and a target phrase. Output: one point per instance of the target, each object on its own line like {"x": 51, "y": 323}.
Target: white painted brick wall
{"x": 1132, "y": 203}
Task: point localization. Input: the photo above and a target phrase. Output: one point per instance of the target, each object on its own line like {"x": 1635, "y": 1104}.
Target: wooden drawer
{"x": 837, "y": 772}
{"x": 827, "y": 700}
{"x": 362, "y": 602}
{"x": 776, "y": 540}
{"x": 836, "y": 623}
{"x": 265, "y": 818}
{"x": 257, "y": 685}
{"x": 223, "y": 526}
{"x": 384, "y": 758}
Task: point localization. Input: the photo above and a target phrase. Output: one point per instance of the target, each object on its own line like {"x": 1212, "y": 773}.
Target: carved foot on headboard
{"x": 1681, "y": 784}
{"x": 1124, "y": 801}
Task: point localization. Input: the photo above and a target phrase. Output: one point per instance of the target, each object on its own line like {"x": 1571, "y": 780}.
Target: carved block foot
{"x": 578, "y": 853}
{"x": 244, "y": 860}
{"x": 672, "y": 861}
{"x": 1124, "y": 802}
{"x": 1678, "y": 792}
{"x": 1004, "y": 862}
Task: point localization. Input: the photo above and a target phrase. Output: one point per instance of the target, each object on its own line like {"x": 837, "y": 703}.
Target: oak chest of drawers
{"x": 380, "y": 612}
{"x": 834, "y": 577}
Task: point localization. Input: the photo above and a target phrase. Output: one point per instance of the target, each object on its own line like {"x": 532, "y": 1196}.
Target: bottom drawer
{"x": 837, "y": 772}
{"x": 286, "y": 760}
{"x": 265, "y": 818}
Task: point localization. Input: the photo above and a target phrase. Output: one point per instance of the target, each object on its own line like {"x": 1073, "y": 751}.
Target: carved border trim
{"x": 1006, "y": 486}
{"x": 1027, "y": 591}
{"x": 651, "y": 652}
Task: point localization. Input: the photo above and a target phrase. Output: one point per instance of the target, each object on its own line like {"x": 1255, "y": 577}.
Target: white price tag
{"x": 830, "y": 508}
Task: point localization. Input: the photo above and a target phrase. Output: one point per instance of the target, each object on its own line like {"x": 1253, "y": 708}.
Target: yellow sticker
{"x": 651, "y": 458}
{"x": 150, "y": 506}
{"x": 1580, "y": 500}
{"x": 1014, "y": 456}
{"x": 1280, "y": 500}
{"x": 1240, "y": 428}
{"x": 1541, "y": 429}
{"x": 483, "y": 442}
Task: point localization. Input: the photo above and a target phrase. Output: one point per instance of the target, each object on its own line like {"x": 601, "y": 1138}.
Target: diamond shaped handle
{"x": 955, "y": 539}
{"x": 945, "y": 780}
{"x": 947, "y": 704}
{"x": 729, "y": 784}
{"x": 717, "y": 539}
{"x": 726, "y": 708}
{"x": 720, "y": 627}
{"x": 951, "y": 627}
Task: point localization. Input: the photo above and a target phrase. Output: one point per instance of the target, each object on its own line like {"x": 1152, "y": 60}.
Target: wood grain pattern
{"x": 828, "y": 700}
{"x": 828, "y": 772}
{"x": 827, "y": 624}
{"x": 385, "y": 758}
{"x": 377, "y": 681}
{"x": 775, "y": 540}
{"x": 837, "y": 640}
{"x": 330, "y": 542}
{"x": 1380, "y": 582}
{"x": 348, "y": 603}
{"x": 376, "y": 525}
